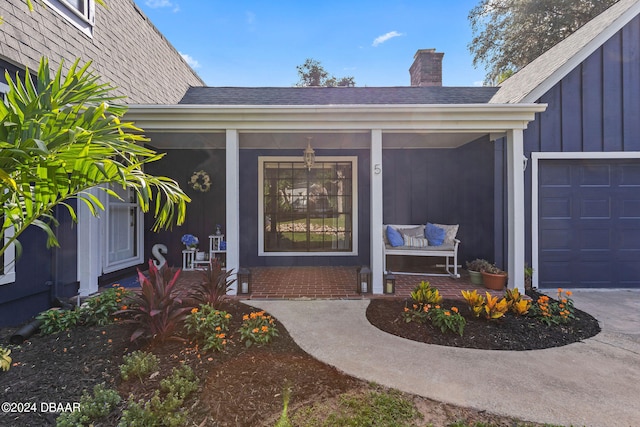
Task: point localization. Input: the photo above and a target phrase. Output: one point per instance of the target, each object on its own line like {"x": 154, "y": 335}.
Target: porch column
{"x": 90, "y": 236}
{"x": 377, "y": 262}
{"x": 515, "y": 200}
{"x": 232, "y": 232}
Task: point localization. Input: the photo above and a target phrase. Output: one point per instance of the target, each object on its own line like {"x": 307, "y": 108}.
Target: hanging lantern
{"x": 309, "y": 155}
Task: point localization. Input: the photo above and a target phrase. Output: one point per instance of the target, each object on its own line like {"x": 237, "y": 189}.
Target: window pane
{"x": 307, "y": 210}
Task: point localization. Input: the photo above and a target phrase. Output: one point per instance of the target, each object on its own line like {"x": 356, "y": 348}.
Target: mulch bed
{"x": 240, "y": 386}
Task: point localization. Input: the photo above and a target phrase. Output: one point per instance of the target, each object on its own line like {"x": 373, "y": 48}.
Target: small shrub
{"x": 553, "y": 312}
{"x": 99, "y": 310}
{"x": 478, "y": 264}
{"x": 517, "y": 305}
{"x": 257, "y": 328}
{"x": 159, "y": 410}
{"x": 490, "y": 307}
{"x": 55, "y": 320}
{"x": 155, "y": 307}
{"x": 447, "y": 320}
{"x": 208, "y": 326}
{"x": 140, "y": 364}
{"x": 425, "y": 294}
{"x": 5, "y": 359}
{"x": 214, "y": 285}
{"x": 92, "y": 408}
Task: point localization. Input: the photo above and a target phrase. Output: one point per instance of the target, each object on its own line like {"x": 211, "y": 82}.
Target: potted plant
{"x": 494, "y": 278}
{"x": 475, "y": 269}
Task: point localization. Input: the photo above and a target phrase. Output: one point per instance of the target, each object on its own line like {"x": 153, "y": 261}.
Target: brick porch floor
{"x": 333, "y": 283}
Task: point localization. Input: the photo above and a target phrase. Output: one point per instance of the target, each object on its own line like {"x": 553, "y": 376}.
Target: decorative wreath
{"x": 200, "y": 181}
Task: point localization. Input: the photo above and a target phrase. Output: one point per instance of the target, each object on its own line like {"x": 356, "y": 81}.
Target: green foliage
{"x": 447, "y": 320}
{"x": 92, "y": 408}
{"x": 258, "y": 328}
{"x": 425, "y": 294}
{"x": 509, "y": 34}
{"x": 60, "y": 137}
{"x": 5, "y": 359}
{"x": 55, "y": 320}
{"x": 139, "y": 364}
{"x": 99, "y": 310}
{"x": 164, "y": 408}
{"x": 554, "y": 312}
{"x": 284, "y": 420}
{"x": 156, "y": 307}
{"x": 312, "y": 73}
{"x": 214, "y": 285}
{"x": 375, "y": 408}
{"x": 208, "y": 326}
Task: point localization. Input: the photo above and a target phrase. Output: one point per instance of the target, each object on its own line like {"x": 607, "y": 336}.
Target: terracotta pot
{"x": 494, "y": 282}
{"x": 476, "y": 277}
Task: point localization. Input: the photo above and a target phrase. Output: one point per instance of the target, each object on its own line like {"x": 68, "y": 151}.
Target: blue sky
{"x": 260, "y": 43}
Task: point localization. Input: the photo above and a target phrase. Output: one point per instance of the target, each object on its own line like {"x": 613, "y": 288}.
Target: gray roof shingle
{"x": 337, "y": 95}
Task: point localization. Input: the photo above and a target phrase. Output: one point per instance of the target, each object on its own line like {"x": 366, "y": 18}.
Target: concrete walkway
{"x": 592, "y": 383}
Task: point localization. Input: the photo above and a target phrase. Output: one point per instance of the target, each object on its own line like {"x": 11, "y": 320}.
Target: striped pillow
{"x": 415, "y": 242}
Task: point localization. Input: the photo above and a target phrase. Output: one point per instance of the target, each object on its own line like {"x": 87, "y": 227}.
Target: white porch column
{"x": 232, "y": 232}
{"x": 377, "y": 263}
{"x": 90, "y": 246}
{"x": 515, "y": 200}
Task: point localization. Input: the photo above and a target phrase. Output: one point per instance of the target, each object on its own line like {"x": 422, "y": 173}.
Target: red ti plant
{"x": 156, "y": 308}
{"x": 214, "y": 284}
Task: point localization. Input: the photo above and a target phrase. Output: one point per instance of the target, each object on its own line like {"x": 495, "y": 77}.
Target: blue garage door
{"x": 589, "y": 224}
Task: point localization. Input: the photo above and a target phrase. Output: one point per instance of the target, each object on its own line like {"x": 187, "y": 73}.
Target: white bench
{"x": 445, "y": 251}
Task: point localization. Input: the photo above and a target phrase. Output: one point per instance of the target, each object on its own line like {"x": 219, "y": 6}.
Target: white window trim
{"x": 9, "y": 268}
{"x": 84, "y": 23}
{"x": 535, "y": 158}
{"x": 109, "y": 267}
{"x": 354, "y": 191}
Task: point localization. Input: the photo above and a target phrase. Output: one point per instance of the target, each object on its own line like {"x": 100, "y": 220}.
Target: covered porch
{"x": 371, "y": 135}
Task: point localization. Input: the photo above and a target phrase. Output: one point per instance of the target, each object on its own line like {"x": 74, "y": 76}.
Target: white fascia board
{"x": 448, "y": 117}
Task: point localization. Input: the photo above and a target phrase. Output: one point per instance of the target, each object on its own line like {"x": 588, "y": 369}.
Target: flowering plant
{"x": 257, "y": 327}
{"x": 208, "y": 326}
{"x": 189, "y": 240}
{"x": 200, "y": 181}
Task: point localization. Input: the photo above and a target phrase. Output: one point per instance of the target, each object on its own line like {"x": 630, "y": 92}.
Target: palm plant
{"x": 62, "y": 136}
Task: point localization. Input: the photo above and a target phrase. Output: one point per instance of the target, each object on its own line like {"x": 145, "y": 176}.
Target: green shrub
{"x": 99, "y": 310}
{"x": 55, "y": 320}
{"x": 92, "y": 408}
{"x": 257, "y": 328}
{"x": 140, "y": 364}
{"x": 208, "y": 326}
{"x": 159, "y": 411}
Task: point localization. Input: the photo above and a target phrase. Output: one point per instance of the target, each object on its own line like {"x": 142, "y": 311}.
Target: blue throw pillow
{"x": 394, "y": 237}
{"x": 435, "y": 235}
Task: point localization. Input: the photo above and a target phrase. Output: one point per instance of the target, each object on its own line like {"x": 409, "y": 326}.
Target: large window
{"x": 308, "y": 212}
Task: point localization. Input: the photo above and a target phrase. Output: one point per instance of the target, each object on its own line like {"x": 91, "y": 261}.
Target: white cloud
{"x": 383, "y": 38}
{"x": 193, "y": 63}
{"x": 154, "y": 4}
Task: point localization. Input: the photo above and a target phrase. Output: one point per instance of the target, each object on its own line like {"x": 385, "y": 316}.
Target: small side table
{"x": 189, "y": 261}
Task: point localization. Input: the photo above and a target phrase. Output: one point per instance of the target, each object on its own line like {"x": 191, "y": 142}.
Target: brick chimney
{"x": 426, "y": 69}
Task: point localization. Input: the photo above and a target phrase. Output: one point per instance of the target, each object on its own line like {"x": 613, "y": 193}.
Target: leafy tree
{"x": 508, "y": 34}
{"x": 312, "y": 73}
{"x": 62, "y": 136}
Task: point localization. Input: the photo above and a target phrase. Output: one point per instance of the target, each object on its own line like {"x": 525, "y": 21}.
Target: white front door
{"x": 123, "y": 232}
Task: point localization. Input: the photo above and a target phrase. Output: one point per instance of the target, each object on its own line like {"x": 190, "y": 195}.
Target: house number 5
{"x": 377, "y": 169}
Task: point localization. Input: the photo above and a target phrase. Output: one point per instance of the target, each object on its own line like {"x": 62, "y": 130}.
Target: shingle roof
{"x": 337, "y": 95}
{"x": 532, "y": 81}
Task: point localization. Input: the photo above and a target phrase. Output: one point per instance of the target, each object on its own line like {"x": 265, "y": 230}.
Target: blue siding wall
{"x": 205, "y": 210}
{"x": 595, "y": 108}
{"x": 446, "y": 186}
{"x": 41, "y": 274}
